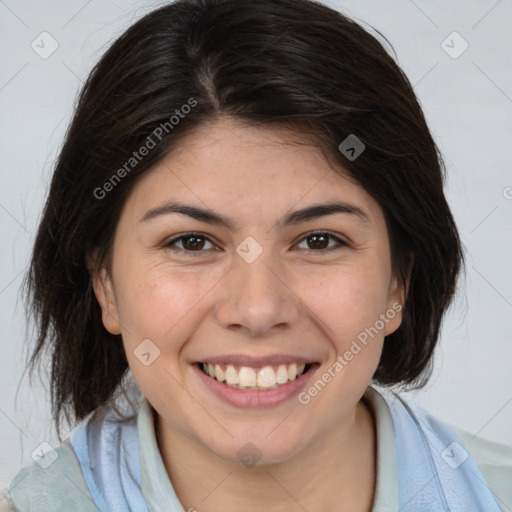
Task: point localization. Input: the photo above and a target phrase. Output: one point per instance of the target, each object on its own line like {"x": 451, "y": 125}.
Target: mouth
{"x": 249, "y": 378}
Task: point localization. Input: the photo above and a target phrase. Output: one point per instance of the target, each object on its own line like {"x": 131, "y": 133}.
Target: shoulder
{"x": 494, "y": 460}
{"x": 53, "y": 482}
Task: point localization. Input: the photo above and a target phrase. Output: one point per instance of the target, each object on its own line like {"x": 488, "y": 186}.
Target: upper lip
{"x": 256, "y": 362}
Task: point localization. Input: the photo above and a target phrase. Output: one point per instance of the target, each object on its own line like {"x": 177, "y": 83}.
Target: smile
{"x": 254, "y": 379}
{"x": 250, "y": 381}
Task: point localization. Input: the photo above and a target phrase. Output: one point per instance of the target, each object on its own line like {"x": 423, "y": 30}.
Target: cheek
{"x": 163, "y": 305}
{"x": 349, "y": 305}
{"x": 157, "y": 314}
{"x": 151, "y": 300}
{"x": 348, "y": 301}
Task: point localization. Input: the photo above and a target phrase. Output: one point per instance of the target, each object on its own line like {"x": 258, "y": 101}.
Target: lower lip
{"x": 254, "y": 398}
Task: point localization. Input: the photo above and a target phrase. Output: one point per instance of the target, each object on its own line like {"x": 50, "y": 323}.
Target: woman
{"x": 248, "y": 217}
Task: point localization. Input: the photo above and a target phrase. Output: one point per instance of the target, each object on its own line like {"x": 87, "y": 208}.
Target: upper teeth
{"x": 254, "y": 378}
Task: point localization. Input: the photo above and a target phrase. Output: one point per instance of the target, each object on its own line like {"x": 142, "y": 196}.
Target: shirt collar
{"x": 386, "y": 488}
{"x": 156, "y": 485}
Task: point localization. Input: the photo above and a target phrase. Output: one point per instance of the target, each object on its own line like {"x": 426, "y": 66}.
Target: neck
{"x": 337, "y": 472}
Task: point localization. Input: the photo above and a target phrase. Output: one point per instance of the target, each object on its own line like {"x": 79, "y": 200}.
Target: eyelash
{"x": 169, "y": 244}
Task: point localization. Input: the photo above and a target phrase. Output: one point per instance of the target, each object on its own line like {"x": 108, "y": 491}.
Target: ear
{"x": 104, "y": 291}
{"x": 396, "y": 300}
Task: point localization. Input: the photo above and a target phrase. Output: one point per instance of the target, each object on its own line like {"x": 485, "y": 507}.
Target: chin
{"x": 249, "y": 449}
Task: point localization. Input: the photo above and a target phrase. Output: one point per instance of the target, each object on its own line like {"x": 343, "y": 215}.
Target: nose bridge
{"x": 257, "y": 297}
{"x": 253, "y": 262}
{"x": 258, "y": 279}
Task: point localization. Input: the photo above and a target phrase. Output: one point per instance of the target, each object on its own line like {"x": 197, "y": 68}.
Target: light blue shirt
{"x": 422, "y": 465}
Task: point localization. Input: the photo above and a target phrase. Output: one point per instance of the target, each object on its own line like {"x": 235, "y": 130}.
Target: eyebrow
{"x": 312, "y": 212}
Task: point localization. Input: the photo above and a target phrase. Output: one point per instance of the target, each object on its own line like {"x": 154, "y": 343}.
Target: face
{"x": 260, "y": 284}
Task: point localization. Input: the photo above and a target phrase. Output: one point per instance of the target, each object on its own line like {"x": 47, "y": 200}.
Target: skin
{"x": 295, "y": 298}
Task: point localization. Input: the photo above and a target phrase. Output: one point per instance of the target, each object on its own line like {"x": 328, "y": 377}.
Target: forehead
{"x": 247, "y": 170}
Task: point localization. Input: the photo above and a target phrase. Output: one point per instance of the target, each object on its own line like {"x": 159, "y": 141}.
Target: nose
{"x": 256, "y": 298}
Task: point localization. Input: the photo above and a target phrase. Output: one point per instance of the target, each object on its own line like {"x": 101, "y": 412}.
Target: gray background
{"x": 468, "y": 104}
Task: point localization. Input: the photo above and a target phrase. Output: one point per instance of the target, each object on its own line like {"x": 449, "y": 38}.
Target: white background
{"x": 468, "y": 104}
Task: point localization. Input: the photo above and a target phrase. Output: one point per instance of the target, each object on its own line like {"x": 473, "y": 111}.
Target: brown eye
{"x": 320, "y": 241}
{"x": 191, "y": 242}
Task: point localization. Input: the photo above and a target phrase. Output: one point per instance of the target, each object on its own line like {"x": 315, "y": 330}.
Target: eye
{"x": 195, "y": 242}
{"x": 190, "y": 242}
{"x": 320, "y": 240}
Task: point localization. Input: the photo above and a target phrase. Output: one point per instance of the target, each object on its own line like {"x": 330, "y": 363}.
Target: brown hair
{"x": 263, "y": 61}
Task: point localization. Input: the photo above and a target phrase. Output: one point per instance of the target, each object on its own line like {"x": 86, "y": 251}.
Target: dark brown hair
{"x": 262, "y": 61}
